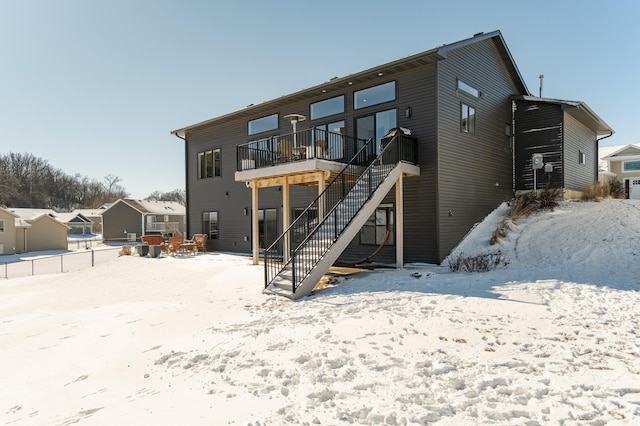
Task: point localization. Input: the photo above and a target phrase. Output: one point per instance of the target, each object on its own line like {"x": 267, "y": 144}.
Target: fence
{"x": 65, "y": 262}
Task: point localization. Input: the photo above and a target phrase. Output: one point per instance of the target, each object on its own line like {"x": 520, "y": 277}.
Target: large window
{"x": 467, "y": 119}
{"x": 209, "y": 164}
{"x": 376, "y": 125}
{"x": 210, "y": 224}
{"x": 630, "y": 166}
{"x": 263, "y": 124}
{"x": 374, "y": 95}
{"x": 378, "y": 225}
{"x": 327, "y": 107}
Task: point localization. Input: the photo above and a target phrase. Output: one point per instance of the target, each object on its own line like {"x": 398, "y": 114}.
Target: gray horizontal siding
{"x": 578, "y": 138}
{"x": 470, "y": 166}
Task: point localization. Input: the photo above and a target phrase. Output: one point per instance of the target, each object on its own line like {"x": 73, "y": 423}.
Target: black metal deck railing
{"x": 301, "y": 145}
{"x": 318, "y": 227}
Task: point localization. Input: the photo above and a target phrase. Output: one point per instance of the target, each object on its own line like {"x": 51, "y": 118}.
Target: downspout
{"x": 186, "y": 184}
{"x": 598, "y": 150}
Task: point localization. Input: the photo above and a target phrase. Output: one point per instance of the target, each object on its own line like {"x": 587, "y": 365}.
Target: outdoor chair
{"x": 173, "y": 246}
{"x": 200, "y": 240}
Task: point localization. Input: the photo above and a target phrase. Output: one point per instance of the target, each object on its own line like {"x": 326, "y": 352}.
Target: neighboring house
{"x": 39, "y": 230}
{"x": 565, "y": 134}
{"x": 95, "y": 216}
{"x": 10, "y": 231}
{"x": 624, "y": 164}
{"x": 446, "y": 164}
{"x": 77, "y": 222}
{"x": 128, "y": 219}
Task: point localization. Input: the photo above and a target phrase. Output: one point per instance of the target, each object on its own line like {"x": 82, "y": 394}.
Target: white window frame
{"x": 624, "y": 163}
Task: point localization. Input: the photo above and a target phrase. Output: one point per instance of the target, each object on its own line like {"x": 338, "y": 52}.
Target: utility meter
{"x": 536, "y": 161}
{"x": 548, "y": 168}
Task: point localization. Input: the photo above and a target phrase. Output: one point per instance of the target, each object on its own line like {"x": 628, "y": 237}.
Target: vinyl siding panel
{"x": 538, "y": 130}
{"x": 579, "y": 138}
{"x": 474, "y": 171}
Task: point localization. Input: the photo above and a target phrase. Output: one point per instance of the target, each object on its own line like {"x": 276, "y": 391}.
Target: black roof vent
{"x": 478, "y": 34}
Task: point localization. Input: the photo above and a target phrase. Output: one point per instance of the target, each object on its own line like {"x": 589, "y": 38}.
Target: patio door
{"x": 375, "y": 126}
{"x": 267, "y": 227}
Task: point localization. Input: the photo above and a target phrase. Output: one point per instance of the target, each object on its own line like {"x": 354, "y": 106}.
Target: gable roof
{"x": 171, "y": 208}
{"x": 46, "y": 217}
{"x": 577, "y": 109}
{"x": 619, "y": 153}
{"x": 74, "y": 216}
{"x": 341, "y": 83}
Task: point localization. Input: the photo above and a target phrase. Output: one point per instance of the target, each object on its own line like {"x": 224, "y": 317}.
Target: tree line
{"x": 30, "y": 182}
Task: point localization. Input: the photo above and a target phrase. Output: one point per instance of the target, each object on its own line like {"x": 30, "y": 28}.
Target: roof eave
{"x": 338, "y": 83}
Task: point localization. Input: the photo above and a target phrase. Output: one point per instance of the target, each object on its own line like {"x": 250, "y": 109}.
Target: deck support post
{"x": 322, "y": 184}
{"x": 286, "y": 219}
{"x": 399, "y": 223}
{"x": 255, "y": 231}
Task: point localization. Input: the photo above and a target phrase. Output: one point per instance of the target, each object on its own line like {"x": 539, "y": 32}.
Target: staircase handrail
{"x": 278, "y": 245}
{"x": 392, "y": 153}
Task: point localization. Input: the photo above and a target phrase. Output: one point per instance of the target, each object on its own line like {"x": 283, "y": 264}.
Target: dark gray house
{"x": 399, "y": 160}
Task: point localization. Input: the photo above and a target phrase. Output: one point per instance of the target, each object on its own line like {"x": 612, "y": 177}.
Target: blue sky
{"x": 95, "y": 87}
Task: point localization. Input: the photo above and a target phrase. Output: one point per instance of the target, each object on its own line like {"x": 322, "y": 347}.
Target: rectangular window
{"x": 1, "y": 225}
{"x": 210, "y": 224}
{"x": 582, "y": 157}
{"x": 469, "y": 90}
{"x": 209, "y": 164}
{"x": 467, "y": 119}
{"x": 374, "y": 95}
{"x": 379, "y": 227}
{"x": 327, "y": 107}
{"x": 508, "y": 136}
{"x": 630, "y": 166}
{"x": 263, "y": 124}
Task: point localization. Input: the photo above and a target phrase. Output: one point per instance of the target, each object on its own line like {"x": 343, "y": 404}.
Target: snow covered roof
{"x": 30, "y": 214}
{"x": 171, "y": 208}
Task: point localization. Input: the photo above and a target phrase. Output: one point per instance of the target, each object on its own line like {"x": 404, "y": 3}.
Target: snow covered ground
{"x": 552, "y": 338}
